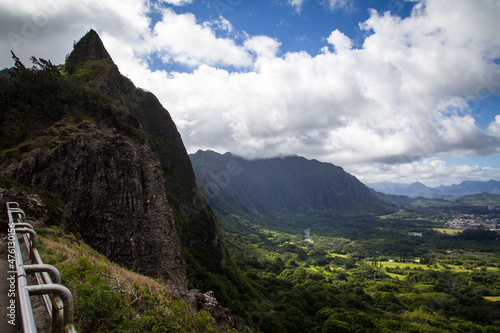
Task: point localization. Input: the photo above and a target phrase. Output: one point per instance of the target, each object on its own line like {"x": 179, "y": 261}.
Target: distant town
{"x": 472, "y": 221}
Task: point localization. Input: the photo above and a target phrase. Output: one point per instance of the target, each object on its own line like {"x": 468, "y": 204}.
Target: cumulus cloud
{"x": 339, "y": 41}
{"x": 180, "y": 38}
{"x": 432, "y": 172}
{"x": 494, "y": 127}
{"x": 407, "y": 95}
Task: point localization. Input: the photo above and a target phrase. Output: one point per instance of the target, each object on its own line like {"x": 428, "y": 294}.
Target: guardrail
{"x": 60, "y": 305}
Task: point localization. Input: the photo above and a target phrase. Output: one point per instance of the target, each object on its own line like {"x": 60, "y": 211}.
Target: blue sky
{"x": 395, "y": 90}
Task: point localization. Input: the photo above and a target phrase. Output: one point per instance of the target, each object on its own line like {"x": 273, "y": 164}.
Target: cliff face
{"x": 268, "y": 186}
{"x": 114, "y": 156}
{"x": 195, "y": 221}
{"x": 114, "y": 191}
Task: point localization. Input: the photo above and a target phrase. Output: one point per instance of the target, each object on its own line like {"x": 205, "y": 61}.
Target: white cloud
{"x": 180, "y": 38}
{"x": 432, "y": 172}
{"x": 178, "y": 2}
{"x": 339, "y": 41}
{"x": 408, "y": 94}
{"x": 263, "y": 46}
{"x": 494, "y": 127}
{"x": 331, "y": 5}
{"x": 297, "y": 4}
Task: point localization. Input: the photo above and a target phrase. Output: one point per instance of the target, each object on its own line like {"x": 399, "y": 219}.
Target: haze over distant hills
{"x": 418, "y": 189}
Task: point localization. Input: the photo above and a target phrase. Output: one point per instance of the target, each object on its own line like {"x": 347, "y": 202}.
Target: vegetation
{"x": 367, "y": 275}
{"x": 35, "y": 98}
{"x": 109, "y": 298}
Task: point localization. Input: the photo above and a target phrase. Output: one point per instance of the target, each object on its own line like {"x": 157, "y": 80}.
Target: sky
{"x": 396, "y": 91}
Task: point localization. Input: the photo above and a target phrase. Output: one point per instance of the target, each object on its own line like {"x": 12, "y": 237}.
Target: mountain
{"x": 270, "y": 187}
{"x": 112, "y": 154}
{"x": 486, "y": 199}
{"x": 6, "y": 72}
{"x": 442, "y": 192}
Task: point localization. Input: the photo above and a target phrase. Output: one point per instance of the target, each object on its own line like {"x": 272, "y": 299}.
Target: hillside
{"x": 111, "y": 153}
{"x": 277, "y": 186}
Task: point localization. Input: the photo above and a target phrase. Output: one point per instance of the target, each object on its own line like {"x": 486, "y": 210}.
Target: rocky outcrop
{"x": 114, "y": 191}
{"x": 207, "y": 302}
{"x": 196, "y": 223}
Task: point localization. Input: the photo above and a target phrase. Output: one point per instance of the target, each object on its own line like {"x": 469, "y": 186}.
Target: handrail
{"x": 43, "y": 273}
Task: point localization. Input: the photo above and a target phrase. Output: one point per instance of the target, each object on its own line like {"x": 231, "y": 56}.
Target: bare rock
{"x": 207, "y": 302}
{"x": 114, "y": 191}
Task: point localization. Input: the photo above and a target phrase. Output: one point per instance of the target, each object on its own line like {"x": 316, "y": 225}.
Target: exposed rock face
{"x": 207, "y": 302}
{"x": 31, "y": 204}
{"x": 196, "y": 223}
{"x": 114, "y": 190}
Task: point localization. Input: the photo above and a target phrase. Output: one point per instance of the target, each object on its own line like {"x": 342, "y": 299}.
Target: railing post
{"x": 24, "y": 291}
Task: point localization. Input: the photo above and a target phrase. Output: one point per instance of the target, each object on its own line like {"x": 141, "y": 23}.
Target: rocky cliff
{"x": 195, "y": 221}
{"x": 113, "y": 155}
{"x": 114, "y": 192}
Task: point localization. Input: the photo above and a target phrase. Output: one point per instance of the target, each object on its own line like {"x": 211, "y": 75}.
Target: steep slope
{"x": 276, "y": 185}
{"x": 195, "y": 220}
{"x": 112, "y": 153}
{"x": 114, "y": 192}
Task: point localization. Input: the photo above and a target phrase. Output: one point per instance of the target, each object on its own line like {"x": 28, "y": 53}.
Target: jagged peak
{"x": 89, "y": 47}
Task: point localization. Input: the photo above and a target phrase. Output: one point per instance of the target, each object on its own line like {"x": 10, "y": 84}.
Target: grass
{"x": 423, "y": 286}
{"x": 410, "y": 266}
{"x": 448, "y": 231}
{"x": 338, "y": 255}
{"x": 146, "y": 304}
{"x": 397, "y": 276}
{"x": 402, "y": 265}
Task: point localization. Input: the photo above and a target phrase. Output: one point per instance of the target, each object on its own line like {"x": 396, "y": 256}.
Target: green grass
{"x": 448, "y": 231}
{"x": 338, "y": 255}
{"x": 423, "y": 286}
{"x": 397, "y": 276}
{"x": 402, "y": 265}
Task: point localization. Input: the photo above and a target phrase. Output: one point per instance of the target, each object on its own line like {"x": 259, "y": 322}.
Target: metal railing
{"x": 60, "y": 305}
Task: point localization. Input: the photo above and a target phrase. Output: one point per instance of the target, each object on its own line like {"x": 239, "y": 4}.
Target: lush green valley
{"x": 368, "y": 275}
{"x": 373, "y": 262}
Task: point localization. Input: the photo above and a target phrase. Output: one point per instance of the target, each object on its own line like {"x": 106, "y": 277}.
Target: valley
{"x": 368, "y": 276}
{"x": 372, "y": 264}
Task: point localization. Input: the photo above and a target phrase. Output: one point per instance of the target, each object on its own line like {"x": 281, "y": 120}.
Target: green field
{"x": 448, "y": 231}
{"x": 413, "y": 265}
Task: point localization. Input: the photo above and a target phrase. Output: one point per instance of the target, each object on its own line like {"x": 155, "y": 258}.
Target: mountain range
{"x": 273, "y": 186}
{"x": 418, "y": 189}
